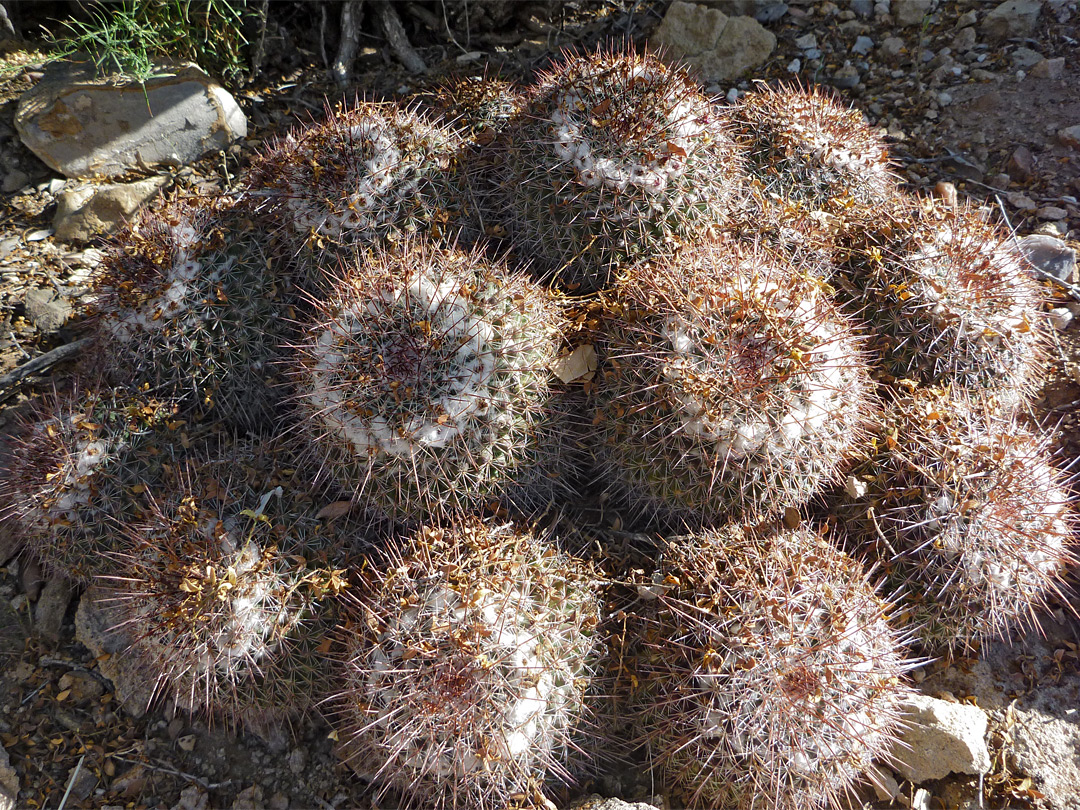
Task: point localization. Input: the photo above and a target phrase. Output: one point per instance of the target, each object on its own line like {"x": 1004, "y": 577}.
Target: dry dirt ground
{"x": 59, "y": 721}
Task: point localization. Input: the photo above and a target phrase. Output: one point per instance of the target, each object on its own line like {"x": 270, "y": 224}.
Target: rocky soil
{"x": 978, "y": 99}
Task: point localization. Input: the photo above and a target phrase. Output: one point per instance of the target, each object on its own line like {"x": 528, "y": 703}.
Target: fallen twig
{"x": 42, "y": 362}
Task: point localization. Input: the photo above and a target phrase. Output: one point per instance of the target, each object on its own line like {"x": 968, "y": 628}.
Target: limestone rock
{"x": 597, "y": 802}
{"x": 911, "y": 12}
{"x": 941, "y": 738}
{"x": 1012, "y": 19}
{"x": 52, "y": 606}
{"x": 88, "y": 211}
{"x": 46, "y": 310}
{"x": 94, "y": 629}
{"x": 9, "y": 783}
{"x": 80, "y": 125}
{"x": 1051, "y": 256}
{"x": 721, "y": 47}
{"x": 1070, "y": 136}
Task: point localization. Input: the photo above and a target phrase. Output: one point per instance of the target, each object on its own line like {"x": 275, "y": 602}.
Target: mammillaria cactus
{"x": 216, "y": 616}
{"x": 807, "y": 150}
{"x": 768, "y": 675}
{"x": 963, "y": 510}
{"x": 369, "y": 172}
{"x": 731, "y": 387}
{"x": 187, "y": 307}
{"x": 950, "y": 304}
{"x": 617, "y": 158}
{"x": 79, "y": 469}
{"x": 425, "y": 383}
{"x": 466, "y": 666}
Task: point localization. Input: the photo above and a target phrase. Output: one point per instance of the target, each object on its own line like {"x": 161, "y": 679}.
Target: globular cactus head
{"x": 466, "y": 665}
{"x": 731, "y": 387}
{"x": 210, "y": 609}
{"x": 617, "y": 158}
{"x": 186, "y": 306}
{"x": 481, "y": 105}
{"x": 767, "y": 674}
{"x": 369, "y": 172}
{"x": 424, "y": 383}
{"x": 807, "y": 151}
{"x": 962, "y": 509}
{"x": 950, "y": 303}
{"x": 78, "y": 468}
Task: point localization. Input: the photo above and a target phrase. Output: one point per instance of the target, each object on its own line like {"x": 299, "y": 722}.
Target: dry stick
{"x": 260, "y": 45}
{"x": 350, "y": 32}
{"x": 42, "y": 362}
{"x": 395, "y": 36}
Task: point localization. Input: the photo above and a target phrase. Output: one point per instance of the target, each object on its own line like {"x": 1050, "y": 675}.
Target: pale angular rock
{"x": 911, "y": 12}
{"x": 94, "y": 629}
{"x": 1049, "y": 68}
{"x": 722, "y": 48}
{"x": 940, "y": 738}
{"x": 51, "y": 607}
{"x": 1011, "y": 19}
{"x": 597, "y": 802}
{"x": 82, "y": 126}
{"x": 92, "y": 210}
{"x": 9, "y": 783}
{"x": 47, "y": 311}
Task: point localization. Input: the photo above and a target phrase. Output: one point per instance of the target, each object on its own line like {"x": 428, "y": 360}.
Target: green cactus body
{"x": 466, "y": 666}
{"x": 768, "y": 674}
{"x": 963, "y": 510}
{"x": 187, "y": 307}
{"x": 950, "y": 304}
{"x": 616, "y": 159}
{"x": 731, "y": 388}
{"x": 426, "y": 383}
{"x": 79, "y": 469}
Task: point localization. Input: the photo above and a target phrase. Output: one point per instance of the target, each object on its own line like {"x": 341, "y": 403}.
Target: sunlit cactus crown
{"x": 617, "y": 158}
{"x": 78, "y": 470}
{"x": 769, "y": 677}
{"x": 426, "y": 381}
{"x": 807, "y": 148}
{"x": 188, "y": 307}
{"x": 967, "y": 516}
{"x": 213, "y": 612}
{"x": 368, "y": 172}
{"x": 731, "y": 386}
{"x": 466, "y": 666}
{"x": 952, "y": 304}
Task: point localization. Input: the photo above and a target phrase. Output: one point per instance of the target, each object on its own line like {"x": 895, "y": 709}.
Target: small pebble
{"x": 862, "y": 46}
{"x": 794, "y": 66}
{"x": 806, "y": 42}
{"x": 1051, "y": 212}
{"x": 1060, "y": 318}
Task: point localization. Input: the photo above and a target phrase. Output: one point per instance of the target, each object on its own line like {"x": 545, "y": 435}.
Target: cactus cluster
{"x": 727, "y": 320}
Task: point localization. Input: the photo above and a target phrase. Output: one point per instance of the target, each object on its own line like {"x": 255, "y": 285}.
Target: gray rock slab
{"x": 52, "y": 606}
{"x": 722, "y": 48}
{"x": 93, "y": 210}
{"x": 83, "y": 126}
{"x": 1050, "y": 256}
{"x": 95, "y": 630}
{"x": 1012, "y": 19}
{"x": 940, "y": 738}
{"x": 9, "y": 783}
{"x": 46, "y": 310}
{"x": 911, "y": 12}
